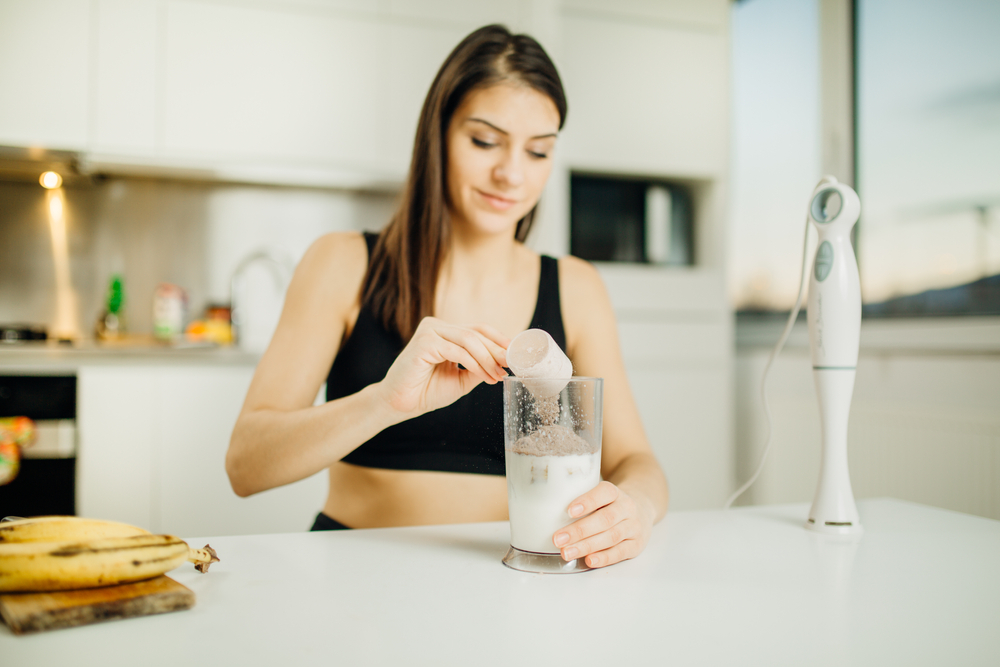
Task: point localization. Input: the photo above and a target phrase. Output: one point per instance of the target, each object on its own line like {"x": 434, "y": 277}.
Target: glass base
{"x": 530, "y": 561}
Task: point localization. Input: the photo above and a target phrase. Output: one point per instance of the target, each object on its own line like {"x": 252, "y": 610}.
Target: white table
{"x": 749, "y": 587}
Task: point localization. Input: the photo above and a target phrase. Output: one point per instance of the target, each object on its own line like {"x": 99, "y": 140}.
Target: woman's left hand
{"x": 613, "y": 527}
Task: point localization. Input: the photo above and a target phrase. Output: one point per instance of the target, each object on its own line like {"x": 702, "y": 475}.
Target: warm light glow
{"x": 50, "y": 180}
{"x": 65, "y": 324}
{"x": 55, "y": 208}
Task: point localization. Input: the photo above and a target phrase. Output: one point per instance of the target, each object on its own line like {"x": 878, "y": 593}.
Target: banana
{"x": 202, "y": 558}
{"x": 54, "y": 566}
{"x": 64, "y": 529}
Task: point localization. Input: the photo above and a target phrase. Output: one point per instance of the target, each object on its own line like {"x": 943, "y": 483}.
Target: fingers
{"x": 458, "y": 354}
{"x": 499, "y": 342}
{"x": 475, "y": 351}
{"x": 603, "y": 494}
{"x": 611, "y": 533}
{"x": 623, "y": 551}
{"x": 439, "y": 364}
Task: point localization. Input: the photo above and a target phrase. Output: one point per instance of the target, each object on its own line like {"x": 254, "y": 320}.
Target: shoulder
{"x": 579, "y": 282}
{"x": 333, "y": 267}
{"x": 579, "y": 273}
{"x": 338, "y": 249}
{"x": 586, "y": 305}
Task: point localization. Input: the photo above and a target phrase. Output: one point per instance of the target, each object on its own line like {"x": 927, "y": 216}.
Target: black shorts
{"x": 324, "y": 522}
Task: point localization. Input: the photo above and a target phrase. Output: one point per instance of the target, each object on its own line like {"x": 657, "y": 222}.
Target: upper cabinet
{"x": 45, "y": 49}
{"x": 125, "y": 77}
{"x": 324, "y": 93}
{"x": 649, "y": 94}
{"x": 252, "y": 83}
{"x": 328, "y": 92}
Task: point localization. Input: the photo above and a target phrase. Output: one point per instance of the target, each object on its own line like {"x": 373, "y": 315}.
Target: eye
{"x": 537, "y": 155}
{"x": 482, "y": 144}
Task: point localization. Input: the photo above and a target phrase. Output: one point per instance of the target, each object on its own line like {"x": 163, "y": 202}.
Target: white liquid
{"x": 539, "y": 491}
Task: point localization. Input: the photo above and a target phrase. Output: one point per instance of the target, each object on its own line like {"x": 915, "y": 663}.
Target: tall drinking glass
{"x": 552, "y": 447}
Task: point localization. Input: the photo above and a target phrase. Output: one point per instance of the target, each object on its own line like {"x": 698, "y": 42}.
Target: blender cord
{"x": 774, "y": 355}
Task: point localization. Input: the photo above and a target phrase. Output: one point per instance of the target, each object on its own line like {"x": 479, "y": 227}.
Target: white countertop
{"x": 51, "y": 357}
{"x": 749, "y": 587}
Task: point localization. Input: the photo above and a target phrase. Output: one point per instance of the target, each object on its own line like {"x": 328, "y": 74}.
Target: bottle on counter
{"x": 169, "y": 310}
{"x": 111, "y": 323}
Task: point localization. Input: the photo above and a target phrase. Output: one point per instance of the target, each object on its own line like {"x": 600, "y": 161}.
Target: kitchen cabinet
{"x": 152, "y": 451}
{"x": 45, "y": 48}
{"x": 198, "y": 409}
{"x": 258, "y": 82}
{"x": 313, "y": 93}
{"x": 679, "y": 370}
{"x": 329, "y": 92}
{"x": 125, "y": 77}
{"x": 116, "y": 431}
{"x": 646, "y": 98}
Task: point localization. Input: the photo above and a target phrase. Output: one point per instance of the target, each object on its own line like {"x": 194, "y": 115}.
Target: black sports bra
{"x": 466, "y": 436}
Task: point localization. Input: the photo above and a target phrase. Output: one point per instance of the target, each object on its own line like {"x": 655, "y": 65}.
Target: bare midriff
{"x": 362, "y": 497}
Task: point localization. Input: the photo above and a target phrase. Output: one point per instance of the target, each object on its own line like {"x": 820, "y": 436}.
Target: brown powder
{"x": 547, "y": 409}
{"x": 552, "y": 440}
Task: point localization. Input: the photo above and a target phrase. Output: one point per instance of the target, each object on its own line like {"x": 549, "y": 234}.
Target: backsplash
{"x": 150, "y": 231}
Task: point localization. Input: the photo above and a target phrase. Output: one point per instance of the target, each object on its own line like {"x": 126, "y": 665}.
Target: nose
{"x": 510, "y": 169}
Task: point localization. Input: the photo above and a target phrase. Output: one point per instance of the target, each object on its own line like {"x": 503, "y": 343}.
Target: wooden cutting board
{"x": 32, "y": 612}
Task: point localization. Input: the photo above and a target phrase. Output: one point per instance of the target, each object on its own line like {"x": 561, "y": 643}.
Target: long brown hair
{"x": 402, "y": 274}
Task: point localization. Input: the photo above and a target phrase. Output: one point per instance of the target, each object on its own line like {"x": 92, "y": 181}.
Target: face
{"x": 500, "y": 143}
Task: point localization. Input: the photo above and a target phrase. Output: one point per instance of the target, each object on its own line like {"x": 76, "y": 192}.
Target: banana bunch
{"x": 63, "y": 552}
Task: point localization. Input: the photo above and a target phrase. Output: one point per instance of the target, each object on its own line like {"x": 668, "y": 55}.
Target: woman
{"x": 411, "y": 431}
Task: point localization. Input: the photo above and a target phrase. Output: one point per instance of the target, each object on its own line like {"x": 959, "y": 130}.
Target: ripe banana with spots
{"x": 64, "y": 529}
{"x": 66, "y": 565}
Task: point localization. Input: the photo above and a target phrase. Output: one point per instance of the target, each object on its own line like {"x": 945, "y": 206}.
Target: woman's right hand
{"x": 426, "y": 376}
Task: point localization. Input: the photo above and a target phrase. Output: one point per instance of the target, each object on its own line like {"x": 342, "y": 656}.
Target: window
{"x": 928, "y": 156}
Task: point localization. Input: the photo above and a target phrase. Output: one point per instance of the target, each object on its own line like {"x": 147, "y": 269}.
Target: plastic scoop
{"x": 534, "y": 355}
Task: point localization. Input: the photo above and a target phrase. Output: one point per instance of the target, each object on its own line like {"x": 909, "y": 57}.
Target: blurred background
{"x": 200, "y": 146}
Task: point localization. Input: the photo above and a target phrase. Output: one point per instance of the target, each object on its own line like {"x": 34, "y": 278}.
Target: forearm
{"x": 639, "y": 475}
{"x": 270, "y": 448}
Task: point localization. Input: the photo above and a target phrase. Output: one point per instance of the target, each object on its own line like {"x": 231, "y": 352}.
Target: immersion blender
{"x": 834, "y": 316}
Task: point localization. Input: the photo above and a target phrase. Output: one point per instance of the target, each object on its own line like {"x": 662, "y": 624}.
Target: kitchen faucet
{"x": 280, "y": 271}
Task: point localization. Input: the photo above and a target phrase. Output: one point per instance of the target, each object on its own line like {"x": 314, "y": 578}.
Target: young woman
{"x": 409, "y": 330}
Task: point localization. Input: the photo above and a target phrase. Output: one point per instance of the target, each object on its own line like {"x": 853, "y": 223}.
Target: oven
{"x": 46, "y": 483}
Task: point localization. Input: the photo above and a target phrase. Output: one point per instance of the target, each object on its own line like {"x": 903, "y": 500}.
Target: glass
{"x": 552, "y": 447}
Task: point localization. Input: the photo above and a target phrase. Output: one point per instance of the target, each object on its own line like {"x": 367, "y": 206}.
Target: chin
{"x": 493, "y": 224}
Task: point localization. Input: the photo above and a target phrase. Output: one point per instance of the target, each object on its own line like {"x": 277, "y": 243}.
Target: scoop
{"x": 534, "y": 355}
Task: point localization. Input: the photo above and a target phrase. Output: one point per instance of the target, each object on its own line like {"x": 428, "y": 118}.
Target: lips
{"x": 497, "y": 202}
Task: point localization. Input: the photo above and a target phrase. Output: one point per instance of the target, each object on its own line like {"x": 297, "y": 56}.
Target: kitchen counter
{"x": 749, "y": 586}
{"x": 51, "y": 356}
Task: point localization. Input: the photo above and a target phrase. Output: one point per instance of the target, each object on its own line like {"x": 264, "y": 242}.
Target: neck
{"x": 477, "y": 263}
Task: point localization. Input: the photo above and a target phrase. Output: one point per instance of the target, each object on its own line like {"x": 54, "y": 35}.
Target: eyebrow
{"x": 484, "y": 122}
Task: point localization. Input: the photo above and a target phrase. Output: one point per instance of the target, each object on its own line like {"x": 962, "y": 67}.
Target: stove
{"x": 21, "y": 333}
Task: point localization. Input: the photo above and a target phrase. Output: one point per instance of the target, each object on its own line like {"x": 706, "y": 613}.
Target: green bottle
{"x": 111, "y": 324}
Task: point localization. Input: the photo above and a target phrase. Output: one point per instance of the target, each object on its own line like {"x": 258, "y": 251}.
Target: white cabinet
{"x": 198, "y": 409}
{"x": 153, "y": 441}
{"x": 264, "y": 90}
{"x": 125, "y": 77}
{"x": 249, "y": 82}
{"x": 336, "y": 86}
{"x": 645, "y": 98}
{"x": 647, "y": 84}
{"x": 116, "y": 425}
{"x": 45, "y": 50}
{"x": 410, "y": 59}
{"x": 679, "y": 369}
